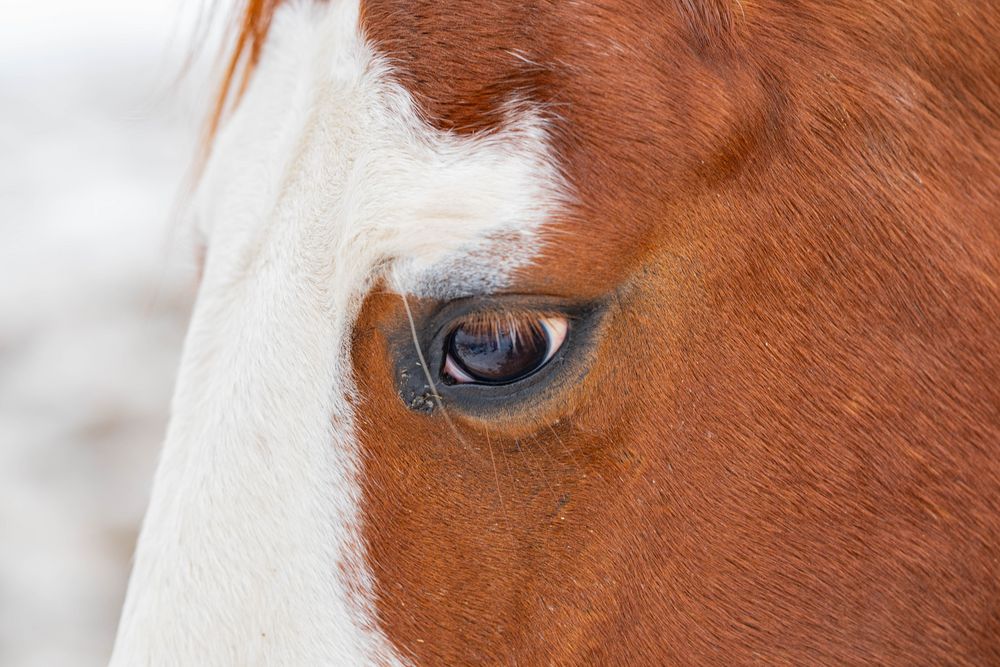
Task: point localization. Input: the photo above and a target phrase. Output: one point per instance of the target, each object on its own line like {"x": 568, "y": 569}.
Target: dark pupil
{"x": 491, "y": 355}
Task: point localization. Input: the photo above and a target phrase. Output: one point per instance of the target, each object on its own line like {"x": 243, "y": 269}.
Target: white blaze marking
{"x": 322, "y": 181}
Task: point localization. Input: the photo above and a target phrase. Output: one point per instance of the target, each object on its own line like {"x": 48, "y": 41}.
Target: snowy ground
{"x": 96, "y": 283}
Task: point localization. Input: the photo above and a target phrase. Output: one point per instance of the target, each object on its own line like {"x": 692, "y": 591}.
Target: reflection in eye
{"x": 502, "y": 348}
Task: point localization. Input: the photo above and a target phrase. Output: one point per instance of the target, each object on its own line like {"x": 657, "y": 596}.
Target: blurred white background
{"x": 97, "y": 135}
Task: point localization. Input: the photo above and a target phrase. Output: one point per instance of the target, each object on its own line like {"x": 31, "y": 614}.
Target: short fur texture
{"x": 784, "y": 449}
{"x": 324, "y": 181}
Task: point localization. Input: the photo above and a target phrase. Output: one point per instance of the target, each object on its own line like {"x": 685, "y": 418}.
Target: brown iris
{"x": 501, "y": 350}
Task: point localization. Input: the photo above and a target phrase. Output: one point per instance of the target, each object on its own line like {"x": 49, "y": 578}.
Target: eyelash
{"x": 495, "y": 323}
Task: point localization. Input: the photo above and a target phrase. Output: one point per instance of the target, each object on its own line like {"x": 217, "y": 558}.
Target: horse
{"x": 590, "y": 332}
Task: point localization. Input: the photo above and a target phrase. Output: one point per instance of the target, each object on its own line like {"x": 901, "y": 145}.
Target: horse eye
{"x": 502, "y": 351}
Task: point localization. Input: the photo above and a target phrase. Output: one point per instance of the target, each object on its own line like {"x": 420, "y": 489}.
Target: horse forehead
{"x": 464, "y": 60}
{"x": 327, "y": 147}
{"x": 631, "y": 108}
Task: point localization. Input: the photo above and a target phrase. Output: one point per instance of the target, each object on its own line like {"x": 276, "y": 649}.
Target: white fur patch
{"x": 323, "y": 181}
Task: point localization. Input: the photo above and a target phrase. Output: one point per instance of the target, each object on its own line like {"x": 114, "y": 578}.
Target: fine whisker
{"x": 429, "y": 377}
